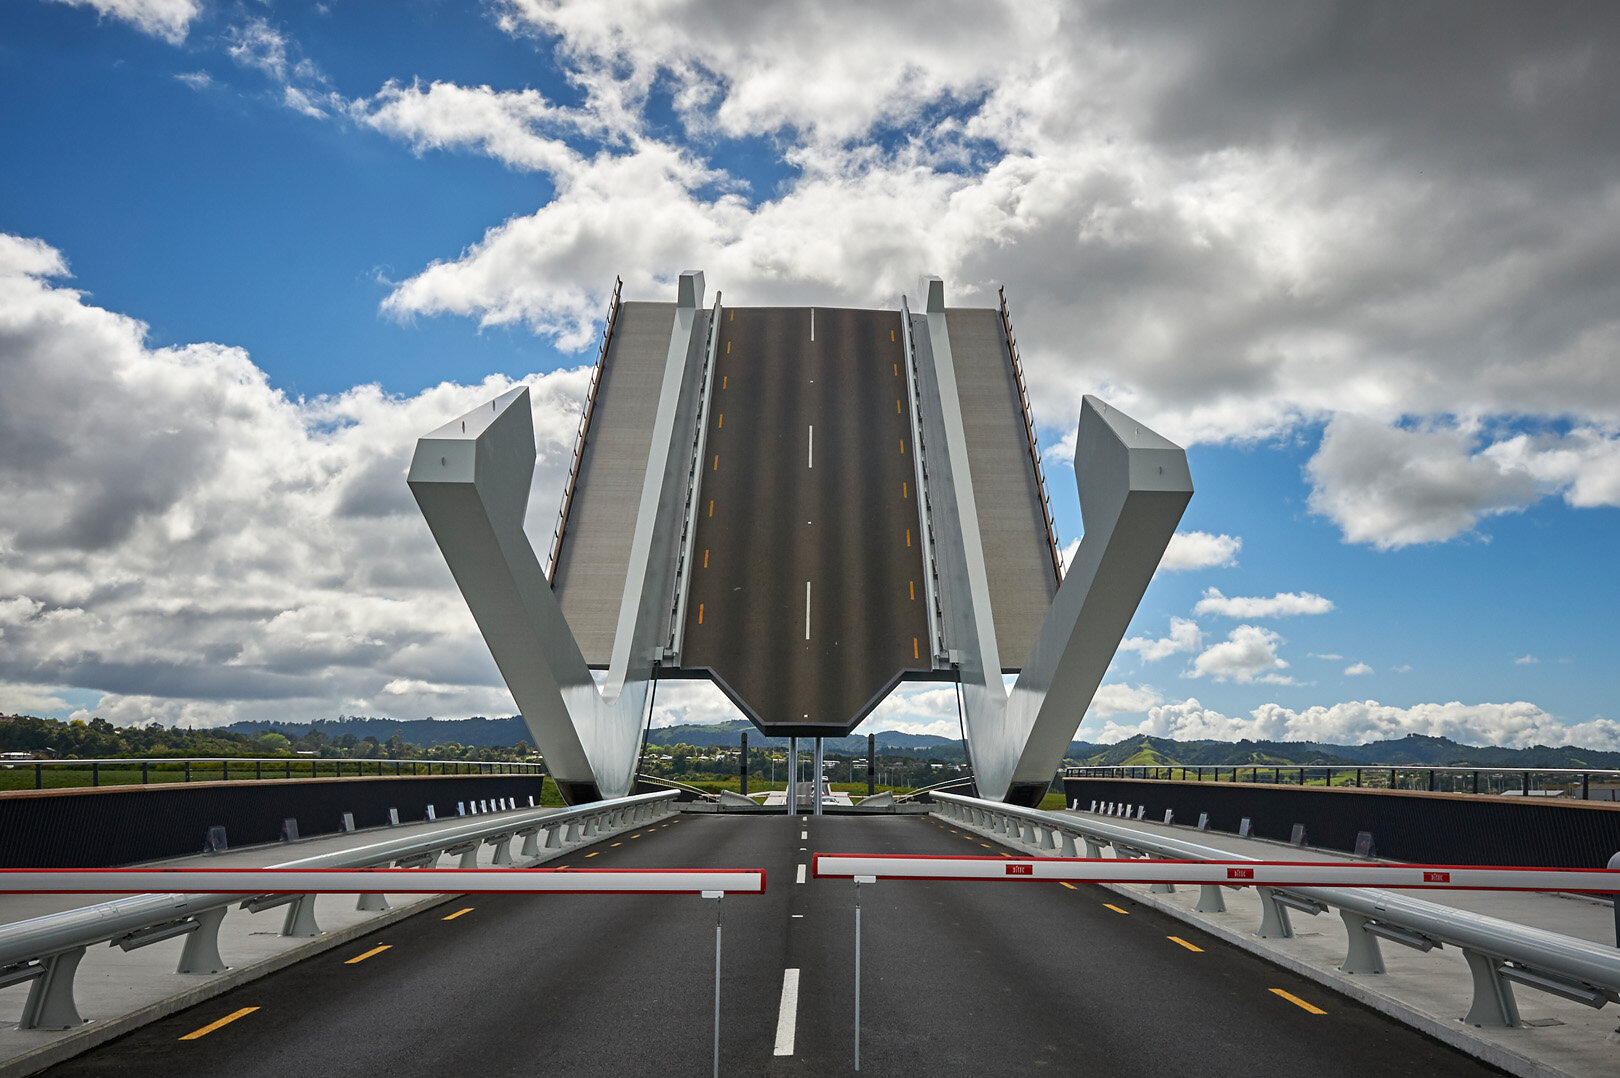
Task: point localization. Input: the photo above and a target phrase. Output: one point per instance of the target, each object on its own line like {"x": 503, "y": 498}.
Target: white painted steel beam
{"x": 1228, "y": 873}
{"x": 471, "y": 480}
{"x": 398, "y": 881}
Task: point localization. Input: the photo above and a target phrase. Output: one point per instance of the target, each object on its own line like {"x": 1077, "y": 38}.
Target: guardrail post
{"x": 469, "y": 855}
{"x": 1210, "y": 899}
{"x": 1273, "y": 916}
{"x": 300, "y": 919}
{"x": 1066, "y": 849}
{"x": 50, "y": 998}
{"x": 201, "y": 951}
{"x": 1363, "y": 955}
{"x": 1493, "y": 1003}
{"x": 503, "y": 850}
{"x": 1093, "y": 850}
{"x": 371, "y": 902}
{"x": 531, "y": 843}
{"x": 1162, "y": 888}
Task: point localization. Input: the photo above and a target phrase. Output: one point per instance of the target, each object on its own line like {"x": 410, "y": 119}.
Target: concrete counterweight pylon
{"x": 471, "y": 479}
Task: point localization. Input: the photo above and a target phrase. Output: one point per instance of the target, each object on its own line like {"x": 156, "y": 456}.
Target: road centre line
{"x": 787, "y": 1015}
{"x": 812, "y": 323}
{"x": 807, "y": 609}
{"x": 211, "y": 1026}
{"x": 458, "y": 913}
{"x": 1296, "y": 1001}
{"x": 800, "y": 878}
{"x": 362, "y": 957}
{"x": 810, "y": 458}
{"x": 804, "y": 836}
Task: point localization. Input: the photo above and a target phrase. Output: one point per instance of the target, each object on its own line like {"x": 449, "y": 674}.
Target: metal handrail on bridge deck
{"x": 223, "y": 764}
{"x": 1498, "y": 952}
{"x": 1029, "y": 431}
{"x": 46, "y": 951}
{"x": 1366, "y": 776}
{"x": 584, "y": 427}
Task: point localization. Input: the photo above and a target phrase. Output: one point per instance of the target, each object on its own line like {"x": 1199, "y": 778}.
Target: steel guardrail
{"x": 286, "y": 764}
{"x": 1497, "y": 951}
{"x": 47, "y": 950}
{"x": 1355, "y": 774}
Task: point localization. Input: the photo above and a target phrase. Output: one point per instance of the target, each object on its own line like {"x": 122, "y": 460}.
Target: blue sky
{"x": 248, "y": 251}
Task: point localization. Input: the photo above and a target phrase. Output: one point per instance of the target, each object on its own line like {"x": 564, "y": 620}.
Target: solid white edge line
{"x": 787, "y": 1018}
{"x": 807, "y": 609}
{"x": 801, "y": 874}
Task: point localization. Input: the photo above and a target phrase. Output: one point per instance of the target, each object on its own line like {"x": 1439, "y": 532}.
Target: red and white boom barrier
{"x": 393, "y": 881}
{"x": 873, "y": 867}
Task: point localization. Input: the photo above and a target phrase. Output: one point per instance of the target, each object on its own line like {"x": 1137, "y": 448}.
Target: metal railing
{"x": 45, "y": 951}
{"x": 1566, "y": 782}
{"x": 584, "y": 426}
{"x": 1499, "y": 953}
{"x": 936, "y": 612}
{"x": 1029, "y": 429}
{"x": 168, "y": 769}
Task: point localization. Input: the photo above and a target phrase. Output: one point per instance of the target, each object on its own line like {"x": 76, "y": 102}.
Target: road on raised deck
{"x": 807, "y": 595}
{"x": 972, "y": 978}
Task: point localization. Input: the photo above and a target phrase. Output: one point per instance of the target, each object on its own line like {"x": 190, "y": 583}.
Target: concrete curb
{"x": 94, "y": 1034}
{"x": 1448, "y": 1031}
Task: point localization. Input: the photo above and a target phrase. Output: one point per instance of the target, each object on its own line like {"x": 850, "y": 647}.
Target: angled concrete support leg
{"x": 50, "y": 1002}
{"x": 471, "y": 479}
{"x": 201, "y": 951}
{"x": 1134, "y": 485}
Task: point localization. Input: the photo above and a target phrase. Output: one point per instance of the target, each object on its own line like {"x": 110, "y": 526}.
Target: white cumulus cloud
{"x": 1249, "y": 653}
{"x": 1184, "y": 636}
{"x": 1283, "y": 604}
{"x": 168, "y": 19}
{"x": 1200, "y": 550}
{"x": 1357, "y": 670}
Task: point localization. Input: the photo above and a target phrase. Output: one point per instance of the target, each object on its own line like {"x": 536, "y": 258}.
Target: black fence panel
{"x": 1416, "y": 827}
{"x": 121, "y": 825}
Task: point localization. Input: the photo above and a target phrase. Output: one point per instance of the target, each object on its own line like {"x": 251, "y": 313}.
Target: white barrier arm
{"x": 1230, "y": 873}
{"x": 418, "y": 881}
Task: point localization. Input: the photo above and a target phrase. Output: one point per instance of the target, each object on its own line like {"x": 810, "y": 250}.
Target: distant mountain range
{"x": 1413, "y": 750}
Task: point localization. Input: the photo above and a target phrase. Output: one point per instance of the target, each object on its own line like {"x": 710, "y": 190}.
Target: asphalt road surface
{"x": 973, "y": 978}
{"x": 807, "y": 598}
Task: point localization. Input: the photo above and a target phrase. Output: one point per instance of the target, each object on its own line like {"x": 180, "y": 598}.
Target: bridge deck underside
{"x": 1006, "y": 492}
{"x": 595, "y": 555}
{"x": 807, "y": 600}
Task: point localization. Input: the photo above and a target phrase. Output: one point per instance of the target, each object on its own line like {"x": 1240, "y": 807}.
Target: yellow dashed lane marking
{"x": 891, "y": 334}
{"x": 914, "y": 654}
{"x": 912, "y": 584}
{"x": 711, "y": 507}
{"x": 1296, "y": 1001}
{"x": 1116, "y": 909}
{"x": 986, "y": 845}
{"x": 1069, "y": 885}
{"x": 593, "y": 853}
{"x": 723, "y": 380}
{"x": 1191, "y": 947}
{"x": 717, "y": 462}
{"x": 368, "y": 954}
{"x": 700, "y": 613}
{"x": 721, "y": 421}
{"x": 458, "y": 913}
{"x": 902, "y": 447}
{"x": 728, "y": 348}
{"x": 211, "y": 1026}
{"x": 897, "y": 370}
{"x": 705, "y": 557}
{"x": 908, "y": 537}
{"x": 618, "y": 844}
{"x": 897, "y": 406}
{"x": 905, "y": 490}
